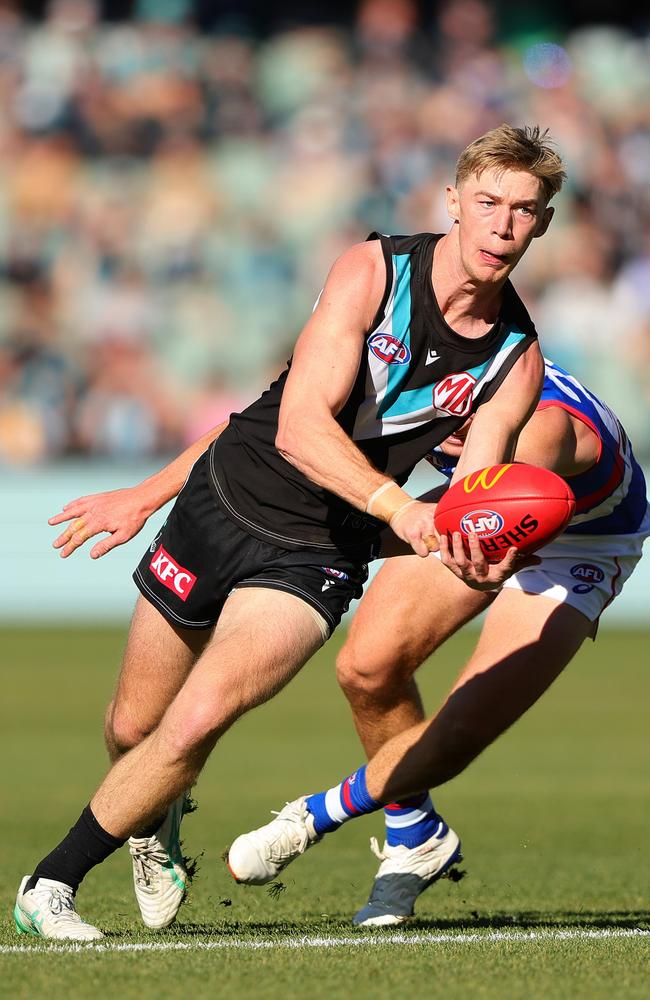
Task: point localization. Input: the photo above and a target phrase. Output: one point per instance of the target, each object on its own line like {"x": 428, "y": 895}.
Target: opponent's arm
{"x": 323, "y": 371}
{"x": 123, "y": 513}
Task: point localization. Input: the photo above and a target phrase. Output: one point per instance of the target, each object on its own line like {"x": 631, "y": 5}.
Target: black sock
{"x": 86, "y": 845}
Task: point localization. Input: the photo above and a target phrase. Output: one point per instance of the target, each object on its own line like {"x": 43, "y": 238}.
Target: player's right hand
{"x": 414, "y": 524}
{"x": 122, "y": 513}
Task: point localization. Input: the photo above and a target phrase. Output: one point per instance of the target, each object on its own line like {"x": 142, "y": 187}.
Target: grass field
{"x": 554, "y": 823}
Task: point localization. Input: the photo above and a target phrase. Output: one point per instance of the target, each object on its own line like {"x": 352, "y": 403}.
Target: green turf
{"x": 554, "y": 822}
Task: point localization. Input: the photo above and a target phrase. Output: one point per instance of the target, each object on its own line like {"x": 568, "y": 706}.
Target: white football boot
{"x": 258, "y": 857}
{"x": 403, "y": 874}
{"x": 160, "y": 877}
{"x": 47, "y": 911}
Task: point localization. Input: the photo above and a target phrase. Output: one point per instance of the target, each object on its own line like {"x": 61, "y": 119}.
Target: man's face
{"x": 498, "y": 214}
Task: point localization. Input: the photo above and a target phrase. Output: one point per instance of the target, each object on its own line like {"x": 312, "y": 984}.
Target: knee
{"x": 191, "y": 735}
{"x": 122, "y": 729}
{"x": 371, "y": 673}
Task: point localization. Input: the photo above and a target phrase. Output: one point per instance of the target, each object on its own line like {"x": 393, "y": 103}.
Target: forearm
{"x": 167, "y": 483}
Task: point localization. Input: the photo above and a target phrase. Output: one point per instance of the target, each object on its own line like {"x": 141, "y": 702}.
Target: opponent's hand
{"x": 122, "y": 513}
{"x": 474, "y": 569}
{"x": 414, "y": 525}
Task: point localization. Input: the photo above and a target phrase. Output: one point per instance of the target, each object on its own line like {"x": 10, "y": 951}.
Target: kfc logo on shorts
{"x": 455, "y": 394}
{"x": 176, "y": 578}
{"x": 389, "y": 349}
{"x": 587, "y": 573}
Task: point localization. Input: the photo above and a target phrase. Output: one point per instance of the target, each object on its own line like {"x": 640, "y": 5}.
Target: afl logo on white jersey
{"x": 389, "y": 349}
{"x": 455, "y": 394}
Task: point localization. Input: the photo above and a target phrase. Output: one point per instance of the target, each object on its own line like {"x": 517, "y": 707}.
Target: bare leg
{"x": 156, "y": 663}
{"x": 525, "y": 644}
{"x": 261, "y": 641}
{"x": 412, "y": 606}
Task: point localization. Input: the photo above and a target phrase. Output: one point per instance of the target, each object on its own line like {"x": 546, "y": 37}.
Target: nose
{"x": 502, "y": 222}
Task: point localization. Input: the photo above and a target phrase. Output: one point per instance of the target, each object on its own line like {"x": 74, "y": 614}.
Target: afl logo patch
{"x": 482, "y": 523}
{"x": 587, "y": 573}
{"x": 389, "y": 349}
{"x": 455, "y": 394}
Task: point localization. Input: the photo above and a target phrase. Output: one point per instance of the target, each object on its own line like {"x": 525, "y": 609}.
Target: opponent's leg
{"x": 411, "y": 607}
{"x": 156, "y": 663}
{"x": 262, "y": 639}
{"x": 526, "y": 642}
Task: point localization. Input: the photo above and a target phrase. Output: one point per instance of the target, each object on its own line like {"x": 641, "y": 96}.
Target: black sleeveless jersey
{"x": 417, "y": 382}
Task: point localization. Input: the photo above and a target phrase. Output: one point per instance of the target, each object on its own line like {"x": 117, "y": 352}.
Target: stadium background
{"x": 176, "y": 179}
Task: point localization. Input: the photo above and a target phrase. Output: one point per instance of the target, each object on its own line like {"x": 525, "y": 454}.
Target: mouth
{"x": 494, "y": 259}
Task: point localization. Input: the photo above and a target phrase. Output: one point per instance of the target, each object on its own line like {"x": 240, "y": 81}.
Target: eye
{"x": 487, "y": 202}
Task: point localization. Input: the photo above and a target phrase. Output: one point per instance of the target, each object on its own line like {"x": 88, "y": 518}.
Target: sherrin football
{"x": 505, "y": 505}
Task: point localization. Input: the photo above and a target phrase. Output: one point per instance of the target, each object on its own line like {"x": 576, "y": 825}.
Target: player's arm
{"x": 323, "y": 371}
{"x": 123, "y": 513}
{"x": 495, "y": 429}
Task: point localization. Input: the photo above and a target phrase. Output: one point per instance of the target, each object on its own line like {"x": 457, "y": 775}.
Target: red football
{"x": 505, "y": 505}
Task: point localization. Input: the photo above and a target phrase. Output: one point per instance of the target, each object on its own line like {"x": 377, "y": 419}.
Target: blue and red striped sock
{"x": 412, "y": 821}
{"x": 343, "y": 802}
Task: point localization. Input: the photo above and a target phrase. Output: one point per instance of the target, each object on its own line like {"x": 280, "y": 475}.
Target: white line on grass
{"x": 362, "y": 940}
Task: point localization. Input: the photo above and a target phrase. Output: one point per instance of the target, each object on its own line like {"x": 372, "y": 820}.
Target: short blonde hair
{"x": 509, "y": 148}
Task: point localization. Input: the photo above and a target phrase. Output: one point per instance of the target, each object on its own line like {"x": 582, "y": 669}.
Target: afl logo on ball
{"x": 454, "y": 394}
{"x": 389, "y": 349}
{"x": 482, "y": 523}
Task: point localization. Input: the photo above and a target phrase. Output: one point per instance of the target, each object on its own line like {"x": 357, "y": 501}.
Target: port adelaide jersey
{"x": 417, "y": 382}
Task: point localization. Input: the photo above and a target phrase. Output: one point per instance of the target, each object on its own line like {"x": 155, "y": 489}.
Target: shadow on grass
{"x": 523, "y": 920}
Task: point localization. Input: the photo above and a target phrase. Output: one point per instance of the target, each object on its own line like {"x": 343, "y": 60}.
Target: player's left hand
{"x": 474, "y": 569}
{"x": 121, "y": 513}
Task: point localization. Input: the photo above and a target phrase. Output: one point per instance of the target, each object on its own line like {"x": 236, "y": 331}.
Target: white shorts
{"x": 585, "y": 571}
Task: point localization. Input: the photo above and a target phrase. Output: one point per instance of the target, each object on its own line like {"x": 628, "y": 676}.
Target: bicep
{"x": 328, "y": 352}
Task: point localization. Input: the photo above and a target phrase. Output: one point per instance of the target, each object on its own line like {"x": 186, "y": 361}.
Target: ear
{"x": 544, "y": 222}
{"x": 453, "y": 203}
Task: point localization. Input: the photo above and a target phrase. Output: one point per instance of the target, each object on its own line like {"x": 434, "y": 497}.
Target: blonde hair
{"x": 509, "y": 148}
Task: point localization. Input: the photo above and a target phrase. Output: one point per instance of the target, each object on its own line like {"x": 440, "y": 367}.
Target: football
{"x": 505, "y": 505}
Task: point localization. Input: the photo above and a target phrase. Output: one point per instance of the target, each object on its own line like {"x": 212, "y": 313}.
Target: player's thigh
{"x": 411, "y": 607}
{"x": 262, "y": 639}
{"x": 157, "y": 660}
{"x": 526, "y": 642}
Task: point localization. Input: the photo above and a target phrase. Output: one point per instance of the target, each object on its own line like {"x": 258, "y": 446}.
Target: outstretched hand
{"x": 122, "y": 513}
{"x": 474, "y": 569}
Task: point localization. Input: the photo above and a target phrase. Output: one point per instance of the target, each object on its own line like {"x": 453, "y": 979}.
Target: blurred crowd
{"x": 171, "y": 200}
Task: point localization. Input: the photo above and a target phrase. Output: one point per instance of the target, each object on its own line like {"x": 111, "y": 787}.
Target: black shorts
{"x": 200, "y": 556}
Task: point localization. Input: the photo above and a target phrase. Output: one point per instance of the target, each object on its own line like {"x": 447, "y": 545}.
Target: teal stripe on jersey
{"x": 422, "y": 399}
{"x": 400, "y": 328}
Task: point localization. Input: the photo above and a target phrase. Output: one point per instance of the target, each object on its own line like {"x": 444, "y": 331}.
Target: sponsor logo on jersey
{"x": 432, "y": 357}
{"x": 583, "y": 588}
{"x": 389, "y": 349}
{"x": 588, "y": 573}
{"x": 486, "y": 478}
{"x": 482, "y": 523}
{"x": 176, "y": 578}
{"x": 455, "y": 394}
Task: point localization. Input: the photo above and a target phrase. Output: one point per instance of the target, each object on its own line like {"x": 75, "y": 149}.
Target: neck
{"x": 470, "y": 307}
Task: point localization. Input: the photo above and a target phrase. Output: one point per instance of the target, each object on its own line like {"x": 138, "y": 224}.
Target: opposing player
{"x": 535, "y": 625}
{"x": 410, "y": 335}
